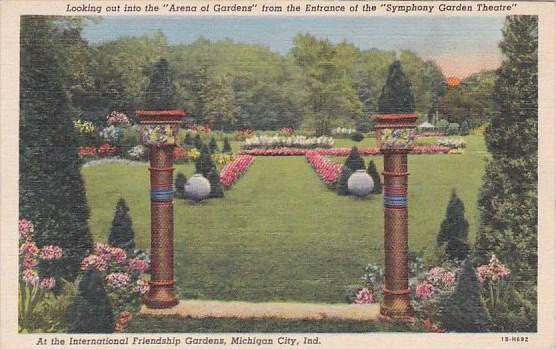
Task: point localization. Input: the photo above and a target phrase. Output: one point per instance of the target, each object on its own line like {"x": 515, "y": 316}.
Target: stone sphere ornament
{"x": 360, "y": 183}
{"x": 197, "y": 188}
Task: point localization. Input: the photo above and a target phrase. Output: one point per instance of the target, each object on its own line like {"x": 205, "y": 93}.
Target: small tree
{"x": 204, "y": 163}
{"x": 197, "y": 142}
{"x": 160, "y": 93}
{"x": 371, "y": 171}
{"x": 341, "y": 185}
{"x": 454, "y": 230}
{"x": 396, "y": 96}
{"x": 91, "y": 310}
{"x": 354, "y": 161}
{"x": 213, "y": 146}
{"x": 179, "y": 186}
{"x": 215, "y": 186}
{"x": 188, "y": 141}
{"x": 121, "y": 233}
{"x": 226, "y": 148}
{"x": 464, "y": 128}
{"x": 464, "y": 311}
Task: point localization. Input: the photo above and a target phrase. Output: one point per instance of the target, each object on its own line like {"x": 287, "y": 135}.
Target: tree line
{"x": 228, "y": 85}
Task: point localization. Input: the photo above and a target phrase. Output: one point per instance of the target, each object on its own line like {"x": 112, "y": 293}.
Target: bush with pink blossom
{"x": 124, "y": 275}
{"x": 36, "y": 298}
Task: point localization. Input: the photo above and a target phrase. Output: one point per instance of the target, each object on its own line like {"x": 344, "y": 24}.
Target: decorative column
{"x": 395, "y": 134}
{"x": 159, "y": 130}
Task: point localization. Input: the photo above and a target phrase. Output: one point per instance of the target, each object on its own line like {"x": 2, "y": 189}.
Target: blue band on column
{"x": 395, "y": 201}
{"x": 162, "y": 195}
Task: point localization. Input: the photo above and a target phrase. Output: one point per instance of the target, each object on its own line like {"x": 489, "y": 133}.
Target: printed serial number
{"x": 514, "y": 339}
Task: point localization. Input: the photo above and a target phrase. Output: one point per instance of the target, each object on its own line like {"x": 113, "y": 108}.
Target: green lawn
{"x": 279, "y": 234}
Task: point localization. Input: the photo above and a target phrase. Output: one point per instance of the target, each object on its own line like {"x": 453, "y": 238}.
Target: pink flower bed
{"x": 328, "y": 170}
{"x": 494, "y": 270}
{"x": 234, "y": 169}
{"x": 427, "y": 149}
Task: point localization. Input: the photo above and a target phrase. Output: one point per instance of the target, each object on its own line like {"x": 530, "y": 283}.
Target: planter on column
{"x": 159, "y": 130}
{"x": 395, "y": 134}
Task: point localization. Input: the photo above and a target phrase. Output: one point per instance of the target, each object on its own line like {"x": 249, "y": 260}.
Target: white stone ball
{"x": 360, "y": 183}
{"x": 197, "y": 188}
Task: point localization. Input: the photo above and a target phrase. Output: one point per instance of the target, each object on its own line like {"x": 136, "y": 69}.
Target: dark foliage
{"x": 213, "y": 146}
{"x": 396, "y": 97}
{"x": 341, "y": 185}
{"x": 197, "y": 142}
{"x": 179, "y": 186}
{"x": 354, "y": 161}
{"x": 91, "y": 311}
{"x": 160, "y": 93}
{"x": 454, "y": 230}
{"x": 464, "y": 311}
{"x": 204, "y": 163}
{"x": 371, "y": 171}
{"x": 216, "y": 190}
{"x": 357, "y": 137}
{"x": 121, "y": 233}
{"x": 226, "y": 148}
{"x": 51, "y": 190}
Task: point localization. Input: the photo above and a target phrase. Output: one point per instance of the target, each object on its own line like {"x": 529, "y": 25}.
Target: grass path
{"x": 279, "y": 234}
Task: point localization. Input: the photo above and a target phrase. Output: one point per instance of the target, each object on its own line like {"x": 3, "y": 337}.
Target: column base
{"x": 161, "y": 297}
{"x": 397, "y": 309}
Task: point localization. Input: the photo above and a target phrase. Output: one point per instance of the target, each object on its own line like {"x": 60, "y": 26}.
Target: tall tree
{"x": 397, "y": 96}
{"x": 328, "y": 82}
{"x": 160, "y": 93}
{"x": 508, "y": 197}
{"x": 52, "y": 193}
{"x": 219, "y": 109}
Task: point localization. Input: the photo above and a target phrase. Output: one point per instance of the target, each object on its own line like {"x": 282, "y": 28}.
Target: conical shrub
{"x": 121, "y": 233}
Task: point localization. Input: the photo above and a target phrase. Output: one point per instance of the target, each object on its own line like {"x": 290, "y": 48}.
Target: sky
{"x": 460, "y": 45}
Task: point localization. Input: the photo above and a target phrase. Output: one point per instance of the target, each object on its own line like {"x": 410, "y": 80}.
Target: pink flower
{"x": 30, "y": 277}
{"x": 125, "y": 317}
{"x": 118, "y": 280}
{"x": 435, "y": 275}
{"x": 364, "y": 296}
{"x": 328, "y": 170}
{"x": 29, "y": 248}
{"x": 118, "y": 255}
{"x": 103, "y": 251}
{"x": 51, "y": 252}
{"x": 494, "y": 270}
{"x": 424, "y": 290}
{"x": 142, "y": 286}
{"x": 26, "y": 229}
{"x": 30, "y": 262}
{"x": 93, "y": 262}
{"x": 138, "y": 264}
{"x": 47, "y": 283}
{"x": 448, "y": 279}
{"x": 116, "y": 118}
{"x": 118, "y": 328}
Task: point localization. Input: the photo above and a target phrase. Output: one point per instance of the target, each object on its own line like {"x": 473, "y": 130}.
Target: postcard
{"x": 274, "y": 174}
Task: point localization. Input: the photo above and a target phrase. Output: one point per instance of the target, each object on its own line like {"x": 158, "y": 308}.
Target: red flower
{"x": 179, "y": 154}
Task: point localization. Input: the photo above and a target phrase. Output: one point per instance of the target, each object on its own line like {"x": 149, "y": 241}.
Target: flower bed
{"x": 428, "y": 149}
{"x": 234, "y": 169}
{"x": 431, "y": 134}
{"x": 302, "y": 142}
{"x": 328, "y": 170}
{"x": 102, "y": 151}
{"x": 452, "y": 143}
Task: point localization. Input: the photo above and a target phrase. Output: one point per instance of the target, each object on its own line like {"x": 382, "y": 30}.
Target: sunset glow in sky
{"x": 460, "y": 45}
